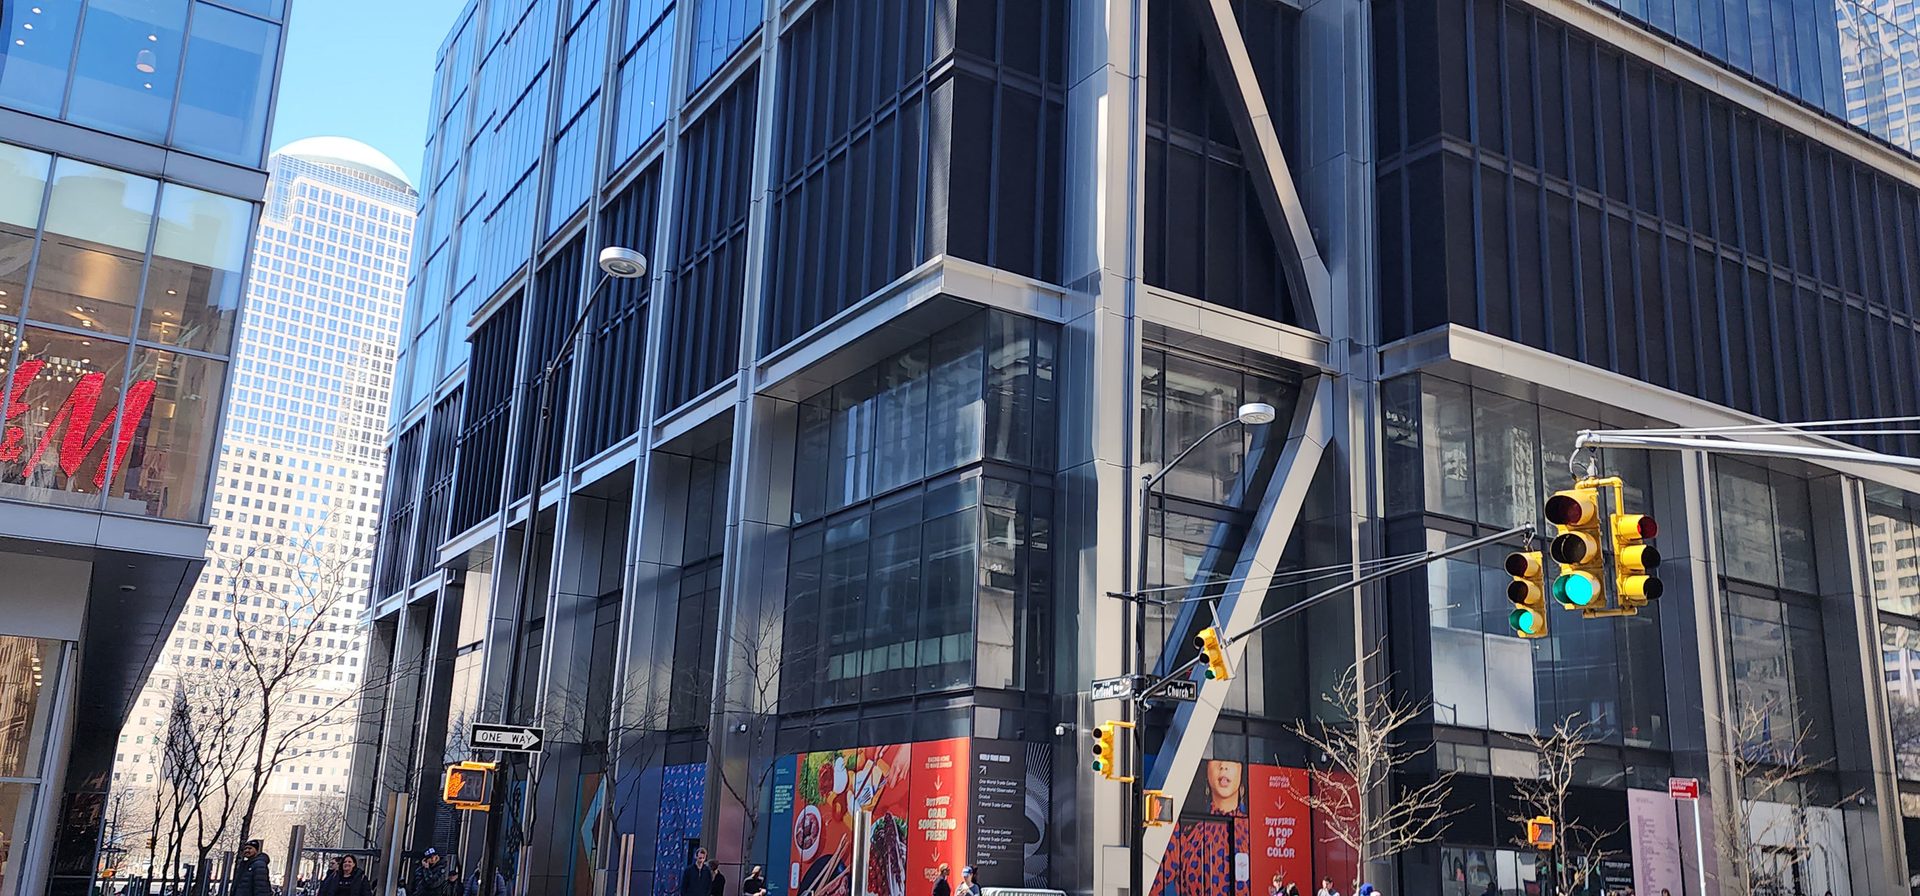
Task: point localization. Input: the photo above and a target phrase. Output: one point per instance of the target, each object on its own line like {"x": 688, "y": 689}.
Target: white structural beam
{"x": 1232, "y": 69}
{"x": 1309, "y": 436}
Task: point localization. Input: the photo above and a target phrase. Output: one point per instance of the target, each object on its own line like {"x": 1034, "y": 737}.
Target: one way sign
{"x": 516, "y": 738}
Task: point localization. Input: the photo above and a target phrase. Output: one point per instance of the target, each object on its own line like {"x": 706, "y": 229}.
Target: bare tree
{"x": 753, "y": 697}
{"x": 1766, "y": 821}
{"x": 325, "y": 821}
{"x": 1360, "y": 786}
{"x": 1578, "y": 849}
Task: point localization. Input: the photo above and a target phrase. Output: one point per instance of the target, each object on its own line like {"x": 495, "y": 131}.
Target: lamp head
{"x": 621, "y": 262}
{"x": 1256, "y": 413}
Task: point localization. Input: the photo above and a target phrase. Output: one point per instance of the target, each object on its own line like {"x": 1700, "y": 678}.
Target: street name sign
{"x": 1683, "y": 788}
{"x": 514, "y": 738}
{"x": 1117, "y": 688}
{"x": 1185, "y": 690}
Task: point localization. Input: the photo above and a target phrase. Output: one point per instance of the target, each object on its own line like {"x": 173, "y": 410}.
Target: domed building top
{"x": 348, "y": 153}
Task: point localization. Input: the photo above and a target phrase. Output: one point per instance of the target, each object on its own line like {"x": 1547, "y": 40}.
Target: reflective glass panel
{"x": 194, "y": 288}
{"x": 129, "y": 61}
{"x": 227, "y": 82}
{"x": 64, "y": 404}
{"x": 37, "y": 54}
{"x": 29, "y": 682}
{"x": 168, "y": 476}
{"x": 23, "y": 182}
{"x": 98, "y": 221}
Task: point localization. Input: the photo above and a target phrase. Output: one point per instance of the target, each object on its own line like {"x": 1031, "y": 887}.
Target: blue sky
{"x": 362, "y": 69}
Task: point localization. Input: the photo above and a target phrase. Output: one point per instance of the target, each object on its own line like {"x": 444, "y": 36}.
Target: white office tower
{"x": 294, "y": 514}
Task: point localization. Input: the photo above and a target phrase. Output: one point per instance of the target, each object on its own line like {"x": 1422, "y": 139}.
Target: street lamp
{"x": 616, "y": 263}
{"x": 1256, "y": 413}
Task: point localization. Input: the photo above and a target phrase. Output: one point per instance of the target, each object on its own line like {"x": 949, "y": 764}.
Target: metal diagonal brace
{"x": 1308, "y": 437}
{"x": 1232, "y": 69}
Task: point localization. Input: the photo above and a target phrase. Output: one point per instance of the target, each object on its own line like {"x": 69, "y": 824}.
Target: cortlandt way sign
{"x": 514, "y": 738}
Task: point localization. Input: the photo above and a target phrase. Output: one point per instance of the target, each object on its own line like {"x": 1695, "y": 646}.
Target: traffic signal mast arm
{"x": 1720, "y": 440}
{"x": 1179, "y": 672}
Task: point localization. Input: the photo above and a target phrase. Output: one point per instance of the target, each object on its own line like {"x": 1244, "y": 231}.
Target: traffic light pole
{"x": 1719, "y": 441}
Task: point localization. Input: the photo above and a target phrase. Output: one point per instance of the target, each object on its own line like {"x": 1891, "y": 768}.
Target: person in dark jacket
{"x": 347, "y": 879}
{"x": 719, "y": 886}
{"x": 940, "y": 885}
{"x": 755, "y": 884}
{"x": 431, "y": 877}
{"x": 250, "y": 872}
{"x": 697, "y": 880}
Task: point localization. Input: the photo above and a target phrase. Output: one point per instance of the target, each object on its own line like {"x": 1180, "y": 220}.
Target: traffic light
{"x": 1159, "y": 810}
{"x": 1106, "y": 753}
{"x": 1528, "y": 593}
{"x": 465, "y": 785}
{"x": 1634, "y": 561}
{"x": 1576, "y": 513}
{"x": 1215, "y": 654}
{"x": 1540, "y": 832}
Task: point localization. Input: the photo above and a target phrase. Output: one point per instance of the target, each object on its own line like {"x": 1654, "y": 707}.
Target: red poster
{"x": 831, "y": 787}
{"x": 1279, "y": 829}
{"x": 883, "y": 783}
{"x": 939, "y": 817}
{"x": 1331, "y": 855}
{"x": 821, "y": 850}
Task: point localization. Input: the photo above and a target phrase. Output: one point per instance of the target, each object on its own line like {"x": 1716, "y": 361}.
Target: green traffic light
{"x": 1211, "y": 675}
{"x": 1524, "y": 621}
{"x": 1098, "y": 765}
{"x": 1574, "y": 590}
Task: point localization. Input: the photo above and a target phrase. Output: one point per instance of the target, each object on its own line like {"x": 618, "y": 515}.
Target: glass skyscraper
{"x": 297, "y": 488}
{"x": 830, "y": 510}
{"x": 131, "y": 147}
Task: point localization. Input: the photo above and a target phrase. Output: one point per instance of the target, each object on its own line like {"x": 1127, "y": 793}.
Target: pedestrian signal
{"x": 466, "y": 784}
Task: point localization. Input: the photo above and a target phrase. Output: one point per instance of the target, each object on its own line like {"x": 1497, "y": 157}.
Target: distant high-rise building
{"x": 297, "y": 493}
{"x": 132, "y": 137}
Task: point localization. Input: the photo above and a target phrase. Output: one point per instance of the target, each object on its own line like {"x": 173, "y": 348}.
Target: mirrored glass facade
{"x": 196, "y": 76}
{"x": 850, "y": 480}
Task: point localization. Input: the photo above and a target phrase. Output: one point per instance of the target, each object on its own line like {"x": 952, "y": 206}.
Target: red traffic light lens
{"x": 1565, "y": 510}
{"x": 1648, "y": 528}
{"x": 1519, "y": 564}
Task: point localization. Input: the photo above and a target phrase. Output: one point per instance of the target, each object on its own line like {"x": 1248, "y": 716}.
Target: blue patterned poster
{"x": 682, "y": 798}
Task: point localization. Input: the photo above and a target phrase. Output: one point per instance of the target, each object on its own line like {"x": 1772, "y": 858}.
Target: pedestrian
{"x": 250, "y": 876}
{"x": 1293, "y": 890}
{"x": 430, "y": 879}
{"x": 940, "y": 885}
{"x": 697, "y": 880}
{"x": 1367, "y": 890}
{"x": 347, "y": 879}
{"x": 968, "y": 887}
{"x": 719, "y": 885}
{"x": 1275, "y": 887}
{"x": 1327, "y": 888}
{"x": 755, "y": 884}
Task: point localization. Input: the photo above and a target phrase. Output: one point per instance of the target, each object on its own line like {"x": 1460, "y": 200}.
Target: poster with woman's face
{"x": 1226, "y": 788}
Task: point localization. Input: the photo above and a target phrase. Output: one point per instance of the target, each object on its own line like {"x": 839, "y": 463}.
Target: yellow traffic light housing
{"x": 466, "y": 785}
{"x": 1214, "y": 652}
{"x": 1106, "y": 752}
{"x": 1529, "y": 594}
{"x": 1540, "y": 832}
{"x": 1575, "y": 513}
{"x": 1158, "y": 810}
{"x": 1634, "y": 560}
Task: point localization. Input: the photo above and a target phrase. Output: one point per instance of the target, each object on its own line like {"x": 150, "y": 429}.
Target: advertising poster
{"x": 1332, "y": 857}
{"x": 829, "y": 787}
{"x": 1654, "y": 832}
{"x": 1039, "y": 802}
{"x": 939, "y": 785}
{"x": 1279, "y": 828}
{"x": 780, "y": 825}
{"x": 680, "y": 801}
{"x": 1199, "y": 861}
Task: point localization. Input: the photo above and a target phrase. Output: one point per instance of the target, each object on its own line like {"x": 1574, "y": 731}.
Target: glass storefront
{"x": 29, "y": 687}
{"x": 114, "y": 352}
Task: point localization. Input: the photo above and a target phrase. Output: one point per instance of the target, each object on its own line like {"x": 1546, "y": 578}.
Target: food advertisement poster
{"x": 958, "y": 801}
{"x": 1280, "y": 827}
{"x": 830, "y": 790}
{"x": 939, "y": 819}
